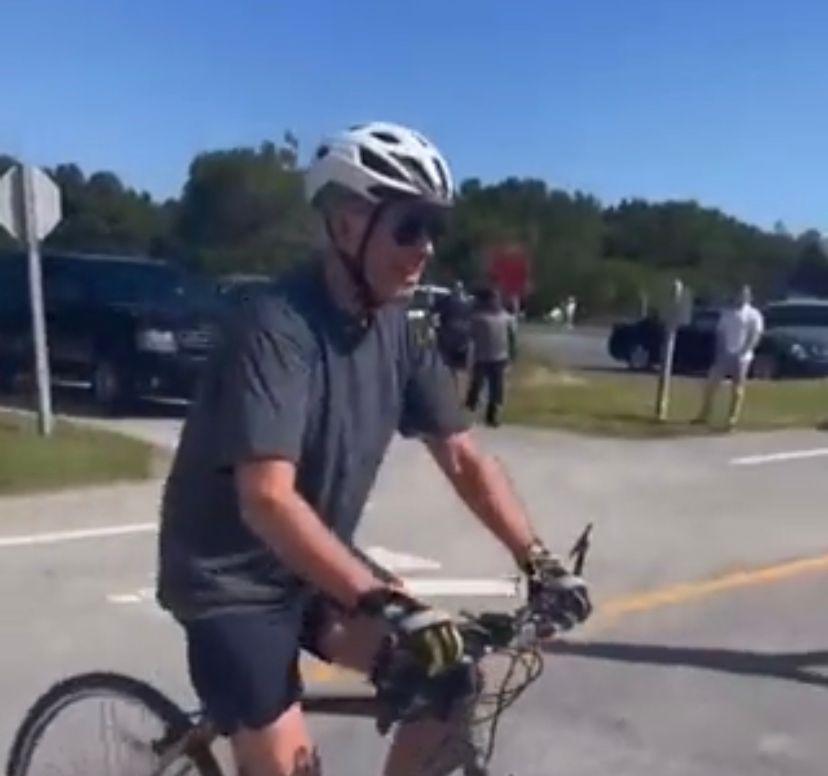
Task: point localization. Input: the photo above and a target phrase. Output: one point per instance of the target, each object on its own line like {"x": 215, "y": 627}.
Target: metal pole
{"x": 44, "y": 395}
{"x": 663, "y": 394}
{"x": 663, "y": 404}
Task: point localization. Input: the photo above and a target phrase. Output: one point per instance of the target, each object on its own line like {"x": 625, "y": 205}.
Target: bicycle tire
{"x": 102, "y": 684}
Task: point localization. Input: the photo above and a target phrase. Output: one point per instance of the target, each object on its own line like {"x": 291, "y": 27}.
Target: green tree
{"x": 810, "y": 272}
{"x": 243, "y": 209}
{"x": 100, "y": 214}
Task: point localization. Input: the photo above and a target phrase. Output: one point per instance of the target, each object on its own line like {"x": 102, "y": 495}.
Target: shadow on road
{"x": 797, "y": 667}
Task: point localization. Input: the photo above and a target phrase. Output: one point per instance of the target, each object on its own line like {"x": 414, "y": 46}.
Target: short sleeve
{"x": 759, "y": 321}
{"x": 431, "y": 406}
{"x": 263, "y": 389}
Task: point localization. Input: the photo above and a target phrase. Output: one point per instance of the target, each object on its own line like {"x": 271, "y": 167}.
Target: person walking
{"x": 493, "y": 338}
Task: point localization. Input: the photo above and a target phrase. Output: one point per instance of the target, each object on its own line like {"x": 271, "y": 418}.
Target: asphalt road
{"x": 578, "y": 348}
{"x": 692, "y": 680}
{"x": 733, "y": 685}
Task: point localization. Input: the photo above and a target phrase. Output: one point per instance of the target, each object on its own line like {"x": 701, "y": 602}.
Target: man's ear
{"x": 342, "y": 228}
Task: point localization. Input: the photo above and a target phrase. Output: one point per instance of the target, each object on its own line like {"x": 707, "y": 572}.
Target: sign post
{"x": 30, "y": 208}
{"x": 677, "y": 312}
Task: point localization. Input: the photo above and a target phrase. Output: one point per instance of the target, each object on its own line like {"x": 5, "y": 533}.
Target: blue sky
{"x": 722, "y": 101}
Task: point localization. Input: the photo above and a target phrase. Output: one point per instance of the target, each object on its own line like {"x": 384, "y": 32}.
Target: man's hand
{"x": 424, "y": 635}
{"x": 554, "y": 593}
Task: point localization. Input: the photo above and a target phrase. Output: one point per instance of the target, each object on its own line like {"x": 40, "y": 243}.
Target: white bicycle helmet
{"x": 380, "y": 161}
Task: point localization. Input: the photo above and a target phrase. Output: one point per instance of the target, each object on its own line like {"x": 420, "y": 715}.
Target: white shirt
{"x": 740, "y": 330}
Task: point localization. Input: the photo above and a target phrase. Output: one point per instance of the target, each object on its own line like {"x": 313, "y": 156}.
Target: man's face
{"x": 399, "y": 248}
{"x": 741, "y": 297}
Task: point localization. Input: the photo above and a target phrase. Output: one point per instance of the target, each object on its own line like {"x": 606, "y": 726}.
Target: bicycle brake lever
{"x": 579, "y": 550}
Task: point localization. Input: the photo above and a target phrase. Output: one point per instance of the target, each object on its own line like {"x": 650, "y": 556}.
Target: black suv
{"x": 796, "y": 340}
{"x": 127, "y": 327}
{"x": 639, "y": 343}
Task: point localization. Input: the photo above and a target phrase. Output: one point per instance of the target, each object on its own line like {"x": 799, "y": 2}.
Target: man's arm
{"x": 512, "y": 334}
{"x": 757, "y": 328}
{"x": 278, "y": 514}
{"x": 261, "y": 420}
{"x": 482, "y": 484}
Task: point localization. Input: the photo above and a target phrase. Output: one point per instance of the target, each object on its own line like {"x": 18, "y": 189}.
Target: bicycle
{"x": 182, "y": 742}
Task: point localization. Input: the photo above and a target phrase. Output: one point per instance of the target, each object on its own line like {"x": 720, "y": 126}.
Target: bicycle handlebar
{"x": 409, "y": 695}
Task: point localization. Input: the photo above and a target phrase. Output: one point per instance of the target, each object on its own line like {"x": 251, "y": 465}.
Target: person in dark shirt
{"x": 453, "y": 331}
{"x": 293, "y": 417}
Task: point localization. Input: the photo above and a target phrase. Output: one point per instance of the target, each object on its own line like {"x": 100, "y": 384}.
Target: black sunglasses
{"x": 413, "y": 225}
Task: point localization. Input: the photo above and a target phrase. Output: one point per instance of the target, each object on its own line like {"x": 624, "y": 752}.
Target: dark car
{"x": 795, "y": 343}
{"x": 639, "y": 343}
{"x": 127, "y": 327}
{"x": 235, "y": 288}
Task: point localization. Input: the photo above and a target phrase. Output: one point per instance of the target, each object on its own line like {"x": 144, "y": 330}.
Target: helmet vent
{"x": 376, "y": 163}
{"x": 386, "y": 137}
{"x": 417, "y": 170}
{"x": 442, "y": 173}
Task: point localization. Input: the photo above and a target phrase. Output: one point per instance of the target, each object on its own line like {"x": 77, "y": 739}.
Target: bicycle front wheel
{"x": 107, "y": 724}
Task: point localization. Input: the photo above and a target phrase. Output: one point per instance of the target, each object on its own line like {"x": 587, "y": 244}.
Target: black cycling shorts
{"x": 244, "y": 666}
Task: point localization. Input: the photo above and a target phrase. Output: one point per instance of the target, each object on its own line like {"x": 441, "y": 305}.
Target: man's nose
{"x": 418, "y": 254}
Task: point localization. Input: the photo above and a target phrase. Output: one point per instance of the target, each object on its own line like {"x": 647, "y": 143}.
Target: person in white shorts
{"x": 737, "y": 335}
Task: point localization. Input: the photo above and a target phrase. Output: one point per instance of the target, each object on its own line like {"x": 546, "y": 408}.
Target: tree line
{"x": 242, "y": 210}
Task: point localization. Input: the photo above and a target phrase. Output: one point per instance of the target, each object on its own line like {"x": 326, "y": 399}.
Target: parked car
{"x": 126, "y": 327}
{"x": 795, "y": 343}
{"x": 639, "y": 343}
{"x": 425, "y": 300}
{"x": 235, "y": 288}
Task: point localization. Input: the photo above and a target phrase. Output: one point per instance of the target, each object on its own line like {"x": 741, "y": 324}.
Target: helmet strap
{"x": 355, "y": 266}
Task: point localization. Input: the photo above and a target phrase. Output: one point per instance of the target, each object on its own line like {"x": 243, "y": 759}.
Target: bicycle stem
{"x": 579, "y": 550}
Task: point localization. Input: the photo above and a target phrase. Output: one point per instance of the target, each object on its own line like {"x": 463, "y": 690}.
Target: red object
{"x": 507, "y": 266}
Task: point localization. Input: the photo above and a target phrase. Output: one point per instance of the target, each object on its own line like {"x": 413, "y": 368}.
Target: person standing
{"x": 453, "y": 331}
{"x": 738, "y": 333}
{"x": 569, "y": 312}
{"x": 493, "y": 338}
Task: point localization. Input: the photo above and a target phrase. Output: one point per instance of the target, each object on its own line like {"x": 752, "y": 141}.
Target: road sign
{"x": 47, "y": 204}
{"x": 30, "y": 208}
{"x": 507, "y": 266}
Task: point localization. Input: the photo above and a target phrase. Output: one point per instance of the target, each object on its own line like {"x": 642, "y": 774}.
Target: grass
{"x": 623, "y": 405}
{"x": 71, "y": 456}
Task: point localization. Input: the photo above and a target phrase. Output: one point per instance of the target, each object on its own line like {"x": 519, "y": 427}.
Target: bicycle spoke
{"x": 114, "y": 739}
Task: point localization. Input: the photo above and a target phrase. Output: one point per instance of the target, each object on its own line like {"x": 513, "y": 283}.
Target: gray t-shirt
{"x": 296, "y": 378}
{"x": 493, "y": 336}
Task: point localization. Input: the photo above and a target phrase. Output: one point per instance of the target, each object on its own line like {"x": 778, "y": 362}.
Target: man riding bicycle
{"x": 282, "y": 445}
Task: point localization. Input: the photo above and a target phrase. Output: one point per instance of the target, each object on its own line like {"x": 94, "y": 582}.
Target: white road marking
{"x": 398, "y": 562}
{"x": 437, "y": 586}
{"x": 791, "y": 455}
{"x": 128, "y": 598}
{"x": 57, "y": 537}
{"x": 507, "y": 587}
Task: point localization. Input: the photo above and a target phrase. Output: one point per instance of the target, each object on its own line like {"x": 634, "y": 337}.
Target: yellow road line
{"x": 682, "y": 593}
{"x": 318, "y": 672}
